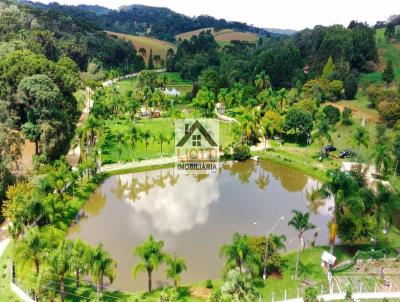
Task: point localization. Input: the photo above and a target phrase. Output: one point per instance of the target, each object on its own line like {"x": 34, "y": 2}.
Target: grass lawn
{"x": 109, "y": 144}
{"x": 174, "y": 80}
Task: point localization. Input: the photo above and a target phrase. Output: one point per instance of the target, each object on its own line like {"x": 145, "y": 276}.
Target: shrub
{"x": 335, "y": 89}
{"x": 347, "y": 115}
{"x": 209, "y": 284}
{"x": 350, "y": 87}
{"x": 241, "y": 152}
{"x": 332, "y": 114}
{"x": 390, "y": 112}
{"x": 310, "y": 294}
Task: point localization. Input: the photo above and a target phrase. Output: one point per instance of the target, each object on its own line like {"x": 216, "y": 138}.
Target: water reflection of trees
{"x": 96, "y": 203}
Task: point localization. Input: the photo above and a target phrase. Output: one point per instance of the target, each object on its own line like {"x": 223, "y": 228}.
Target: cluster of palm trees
{"x": 152, "y": 256}
{"x": 246, "y": 256}
{"x": 56, "y": 259}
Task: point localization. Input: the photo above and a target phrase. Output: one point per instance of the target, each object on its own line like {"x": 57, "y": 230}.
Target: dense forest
{"x": 159, "y": 22}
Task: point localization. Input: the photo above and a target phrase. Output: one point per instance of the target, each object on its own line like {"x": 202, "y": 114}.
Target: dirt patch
{"x": 370, "y": 117}
{"x": 200, "y": 292}
{"x": 28, "y": 151}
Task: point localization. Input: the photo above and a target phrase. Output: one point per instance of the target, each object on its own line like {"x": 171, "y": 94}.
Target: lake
{"x": 195, "y": 215}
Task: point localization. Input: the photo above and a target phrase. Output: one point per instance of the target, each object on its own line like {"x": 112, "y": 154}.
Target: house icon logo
{"x": 197, "y": 146}
{"x": 196, "y": 139}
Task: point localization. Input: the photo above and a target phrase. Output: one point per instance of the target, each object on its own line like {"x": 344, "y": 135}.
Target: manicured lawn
{"x": 109, "y": 143}
{"x": 174, "y": 80}
{"x": 6, "y": 294}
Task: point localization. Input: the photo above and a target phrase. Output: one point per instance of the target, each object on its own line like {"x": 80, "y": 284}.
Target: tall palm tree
{"x": 101, "y": 265}
{"x": 382, "y": 157}
{"x": 176, "y": 266}
{"x": 239, "y": 254}
{"x": 152, "y": 257}
{"x": 146, "y": 136}
{"x": 360, "y": 137}
{"x": 161, "y": 137}
{"x": 59, "y": 262}
{"x": 34, "y": 246}
{"x": 300, "y": 222}
{"x": 323, "y": 133}
{"x": 134, "y": 136}
{"x": 80, "y": 259}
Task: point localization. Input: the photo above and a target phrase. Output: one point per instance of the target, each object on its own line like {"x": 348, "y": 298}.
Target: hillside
{"x": 221, "y": 36}
{"x": 159, "y": 47}
{"x": 386, "y": 51}
{"x": 159, "y": 22}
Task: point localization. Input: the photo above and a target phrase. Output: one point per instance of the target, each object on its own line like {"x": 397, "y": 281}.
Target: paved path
{"x": 137, "y": 164}
{"x": 355, "y": 296}
{"x": 4, "y": 240}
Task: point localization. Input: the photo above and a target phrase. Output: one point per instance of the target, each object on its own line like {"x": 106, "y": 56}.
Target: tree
{"x": 142, "y": 52}
{"x": 134, "y": 135}
{"x": 59, "y": 262}
{"x": 328, "y": 68}
{"x": 239, "y": 287}
{"x": 390, "y": 31}
{"x": 150, "y": 64}
{"x": 361, "y": 137}
{"x": 350, "y": 87}
{"x": 396, "y": 149}
{"x": 323, "y": 132}
{"x": 146, "y": 136}
{"x": 101, "y": 265}
{"x": 262, "y": 81}
{"x": 298, "y": 120}
{"x": 388, "y": 73}
{"x": 239, "y": 254}
{"x": 80, "y": 259}
{"x": 332, "y": 113}
{"x": 34, "y": 246}
{"x": 347, "y": 115}
{"x": 176, "y": 266}
{"x": 205, "y": 102}
{"x": 161, "y": 137}
{"x": 152, "y": 257}
{"x": 335, "y": 89}
{"x": 300, "y": 222}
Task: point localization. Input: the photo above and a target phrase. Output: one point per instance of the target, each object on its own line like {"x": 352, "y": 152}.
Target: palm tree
{"x": 300, "y": 222}
{"x": 382, "y": 157}
{"x": 176, "y": 266}
{"x": 101, "y": 265}
{"x": 80, "y": 259}
{"x": 134, "y": 136}
{"x": 239, "y": 254}
{"x": 59, "y": 262}
{"x": 142, "y": 52}
{"x": 152, "y": 257}
{"x": 250, "y": 125}
{"x": 161, "y": 137}
{"x": 360, "y": 137}
{"x": 146, "y": 136}
{"x": 267, "y": 129}
{"x": 119, "y": 137}
{"x": 323, "y": 132}
{"x": 35, "y": 244}
{"x": 262, "y": 81}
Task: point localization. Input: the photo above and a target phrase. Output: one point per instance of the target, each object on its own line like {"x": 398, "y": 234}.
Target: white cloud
{"x": 294, "y": 14}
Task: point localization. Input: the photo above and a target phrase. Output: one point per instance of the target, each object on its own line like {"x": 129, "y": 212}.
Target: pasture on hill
{"x": 159, "y": 47}
{"x": 223, "y": 36}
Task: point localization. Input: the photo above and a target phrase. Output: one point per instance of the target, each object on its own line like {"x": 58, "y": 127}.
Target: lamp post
{"x": 266, "y": 245}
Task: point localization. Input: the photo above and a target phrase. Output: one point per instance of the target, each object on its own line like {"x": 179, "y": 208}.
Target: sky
{"x": 292, "y": 14}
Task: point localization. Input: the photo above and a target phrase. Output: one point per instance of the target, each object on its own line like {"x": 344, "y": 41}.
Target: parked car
{"x": 329, "y": 148}
{"x": 346, "y": 154}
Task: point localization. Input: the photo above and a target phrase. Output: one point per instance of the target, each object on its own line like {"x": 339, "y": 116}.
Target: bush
{"x": 209, "y": 284}
{"x": 332, "y": 114}
{"x": 335, "y": 89}
{"x": 350, "y": 87}
{"x": 390, "y": 112}
{"x": 347, "y": 115}
{"x": 310, "y": 294}
{"x": 241, "y": 152}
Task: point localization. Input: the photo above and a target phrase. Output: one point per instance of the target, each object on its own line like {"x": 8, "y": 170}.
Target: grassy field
{"x": 386, "y": 51}
{"x": 222, "y": 37}
{"x": 109, "y": 144}
{"x": 158, "y": 46}
{"x": 174, "y": 80}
